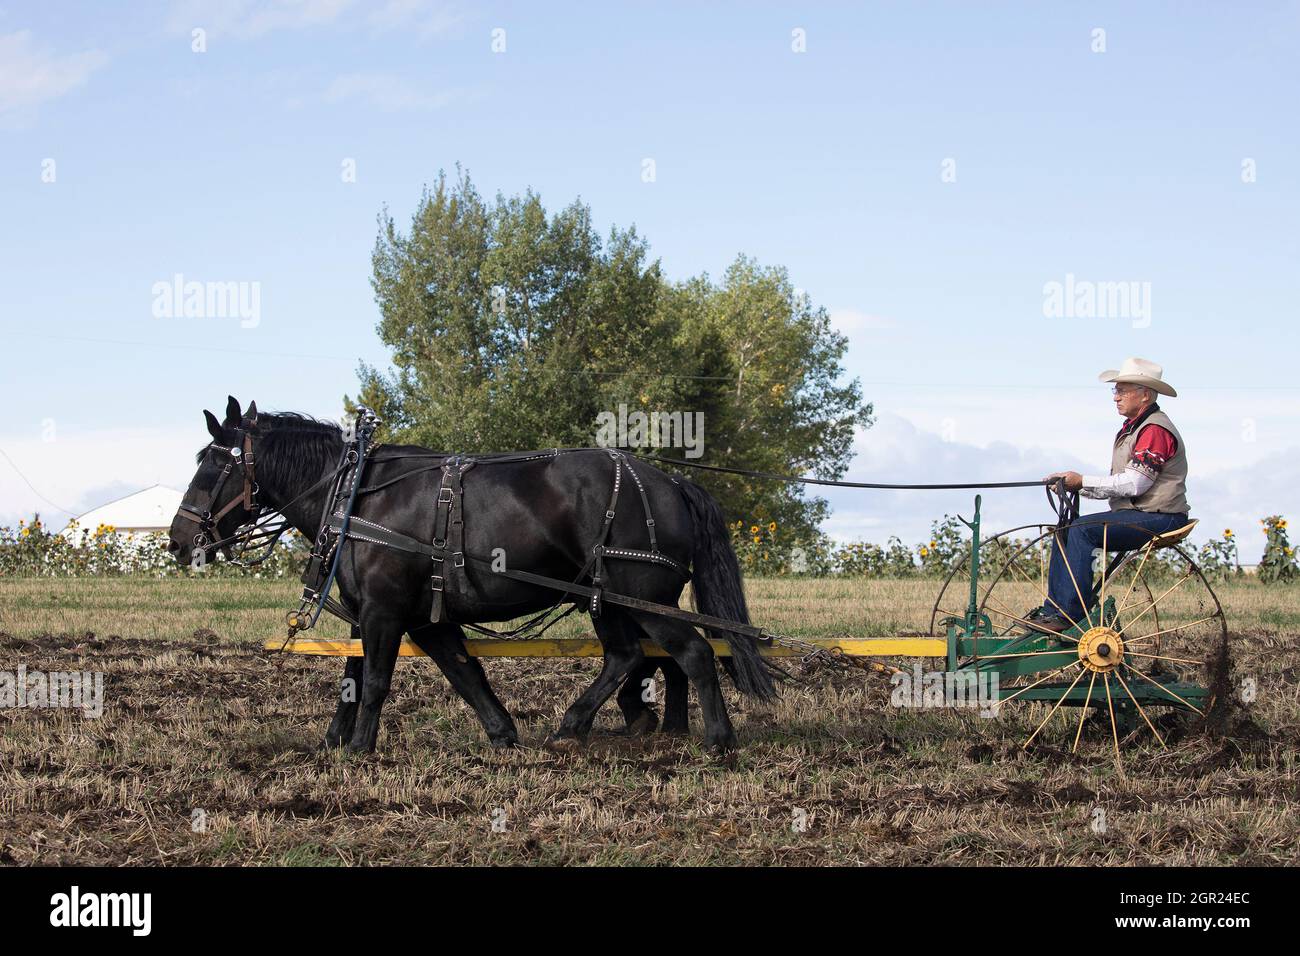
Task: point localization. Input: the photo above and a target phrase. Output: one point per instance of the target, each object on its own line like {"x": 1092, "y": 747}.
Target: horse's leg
{"x": 676, "y": 686}
{"x": 345, "y": 716}
{"x": 640, "y": 717}
{"x": 445, "y": 643}
{"x": 695, "y": 657}
{"x": 381, "y": 636}
{"x": 623, "y": 655}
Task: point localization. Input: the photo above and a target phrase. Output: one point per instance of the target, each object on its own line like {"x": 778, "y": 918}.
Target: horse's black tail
{"x": 716, "y": 584}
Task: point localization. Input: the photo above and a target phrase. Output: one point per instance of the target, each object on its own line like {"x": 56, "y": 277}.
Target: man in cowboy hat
{"x": 1146, "y": 487}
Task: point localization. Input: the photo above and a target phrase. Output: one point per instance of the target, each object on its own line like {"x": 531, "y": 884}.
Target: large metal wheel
{"x": 994, "y": 552}
{"x": 1151, "y": 649}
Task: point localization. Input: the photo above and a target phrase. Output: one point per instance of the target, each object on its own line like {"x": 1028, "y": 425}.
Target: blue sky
{"x": 1118, "y": 166}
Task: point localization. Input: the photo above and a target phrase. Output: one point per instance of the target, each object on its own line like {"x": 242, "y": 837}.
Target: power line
{"x": 71, "y": 514}
{"x": 873, "y": 383}
{"x": 339, "y": 358}
{"x": 184, "y": 348}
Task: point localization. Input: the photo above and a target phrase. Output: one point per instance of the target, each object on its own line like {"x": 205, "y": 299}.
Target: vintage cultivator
{"x": 1145, "y": 655}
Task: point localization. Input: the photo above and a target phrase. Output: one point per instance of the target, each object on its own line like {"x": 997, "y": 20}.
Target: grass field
{"x": 199, "y": 722}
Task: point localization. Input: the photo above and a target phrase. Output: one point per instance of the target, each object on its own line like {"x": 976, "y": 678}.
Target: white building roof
{"x": 149, "y": 510}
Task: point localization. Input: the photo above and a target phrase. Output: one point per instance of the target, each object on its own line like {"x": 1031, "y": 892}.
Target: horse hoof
{"x": 643, "y": 725}
{"x": 503, "y": 743}
{"x": 720, "y": 748}
{"x": 563, "y": 745}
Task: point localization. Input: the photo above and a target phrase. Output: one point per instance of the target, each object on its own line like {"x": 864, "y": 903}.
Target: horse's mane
{"x": 293, "y": 447}
{"x": 296, "y": 447}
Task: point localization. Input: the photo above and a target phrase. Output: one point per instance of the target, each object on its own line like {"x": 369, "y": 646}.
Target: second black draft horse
{"x": 543, "y": 515}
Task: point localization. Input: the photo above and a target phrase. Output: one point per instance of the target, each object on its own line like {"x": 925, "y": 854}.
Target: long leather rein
{"x": 338, "y": 523}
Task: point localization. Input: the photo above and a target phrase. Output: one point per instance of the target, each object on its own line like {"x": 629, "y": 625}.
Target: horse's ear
{"x": 233, "y": 414}
{"x": 214, "y": 426}
{"x": 250, "y": 418}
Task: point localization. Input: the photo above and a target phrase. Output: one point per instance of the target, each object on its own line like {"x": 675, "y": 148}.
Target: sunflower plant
{"x": 946, "y": 546}
{"x": 1278, "y": 565}
{"x": 1218, "y": 559}
{"x": 31, "y": 550}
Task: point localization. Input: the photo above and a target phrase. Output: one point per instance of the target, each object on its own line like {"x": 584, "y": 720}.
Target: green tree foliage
{"x": 514, "y": 329}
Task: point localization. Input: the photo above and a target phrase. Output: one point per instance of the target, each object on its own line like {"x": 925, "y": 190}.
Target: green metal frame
{"x": 971, "y": 636}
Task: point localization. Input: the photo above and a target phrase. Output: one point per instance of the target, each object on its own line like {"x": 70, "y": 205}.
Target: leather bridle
{"x": 241, "y": 455}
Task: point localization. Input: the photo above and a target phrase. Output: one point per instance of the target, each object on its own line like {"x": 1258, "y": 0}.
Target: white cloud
{"x": 385, "y": 92}
{"x": 896, "y": 451}
{"x": 30, "y": 75}
{"x": 851, "y": 322}
{"x": 82, "y": 469}
{"x": 1238, "y": 498}
{"x": 247, "y": 19}
{"x": 250, "y": 19}
{"x": 1224, "y": 428}
{"x": 425, "y": 18}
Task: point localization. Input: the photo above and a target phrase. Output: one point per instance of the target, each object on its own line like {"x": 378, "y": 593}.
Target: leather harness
{"x": 448, "y": 538}
{"x": 339, "y": 524}
{"x": 448, "y": 529}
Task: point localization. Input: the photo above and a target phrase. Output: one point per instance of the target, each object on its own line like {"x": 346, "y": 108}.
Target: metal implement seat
{"x": 1171, "y": 538}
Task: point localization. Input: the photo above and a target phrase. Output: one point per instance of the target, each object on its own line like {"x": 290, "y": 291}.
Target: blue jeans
{"x": 1127, "y": 530}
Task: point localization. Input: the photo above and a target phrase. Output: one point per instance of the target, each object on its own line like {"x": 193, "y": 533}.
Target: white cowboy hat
{"x": 1139, "y": 371}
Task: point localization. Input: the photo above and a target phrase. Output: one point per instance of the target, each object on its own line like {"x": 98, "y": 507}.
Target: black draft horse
{"x": 545, "y": 515}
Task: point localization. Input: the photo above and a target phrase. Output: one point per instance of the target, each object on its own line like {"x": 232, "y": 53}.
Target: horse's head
{"x": 221, "y": 495}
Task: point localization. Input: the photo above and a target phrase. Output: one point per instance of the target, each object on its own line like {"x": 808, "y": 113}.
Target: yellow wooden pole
{"x": 585, "y": 647}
